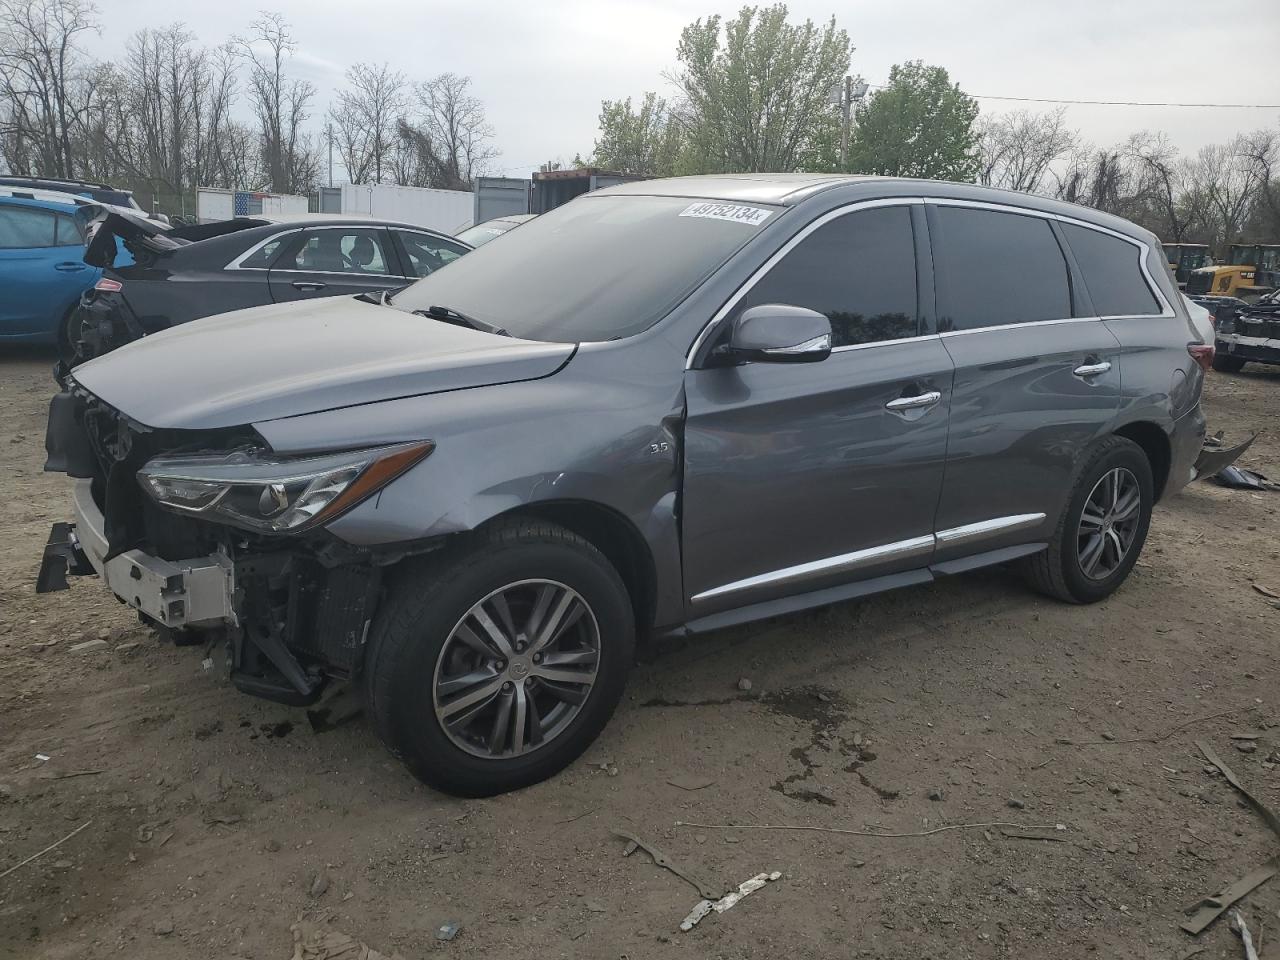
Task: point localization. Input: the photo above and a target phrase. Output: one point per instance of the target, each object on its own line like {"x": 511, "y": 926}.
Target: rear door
{"x": 1037, "y": 374}
{"x": 333, "y": 261}
{"x": 42, "y": 270}
{"x": 803, "y": 476}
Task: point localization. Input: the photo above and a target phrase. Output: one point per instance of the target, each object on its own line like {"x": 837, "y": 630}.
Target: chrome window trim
{"x": 1143, "y": 248}
{"x": 337, "y": 273}
{"x": 900, "y": 549}
{"x": 786, "y": 248}
{"x": 884, "y": 343}
{"x": 1017, "y": 326}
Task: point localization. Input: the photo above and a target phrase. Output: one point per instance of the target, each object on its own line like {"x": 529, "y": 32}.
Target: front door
{"x": 333, "y": 261}
{"x": 1037, "y": 378}
{"x": 42, "y": 271}
{"x": 803, "y": 476}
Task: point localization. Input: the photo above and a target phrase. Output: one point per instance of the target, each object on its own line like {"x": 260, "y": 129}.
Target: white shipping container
{"x": 445, "y": 210}
{"x": 213, "y": 205}
{"x": 283, "y": 204}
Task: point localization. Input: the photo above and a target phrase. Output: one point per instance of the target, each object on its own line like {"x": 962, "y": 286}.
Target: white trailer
{"x": 213, "y": 205}
{"x": 445, "y": 210}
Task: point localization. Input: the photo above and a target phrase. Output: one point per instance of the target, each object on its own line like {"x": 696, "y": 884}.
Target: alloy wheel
{"x": 516, "y": 669}
{"x": 1109, "y": 523}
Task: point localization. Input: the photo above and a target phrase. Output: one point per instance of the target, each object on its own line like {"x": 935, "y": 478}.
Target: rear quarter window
{"x": 1112, "y": 271}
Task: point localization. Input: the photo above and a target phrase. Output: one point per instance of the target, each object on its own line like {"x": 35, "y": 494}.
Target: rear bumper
{"x": 1185, "y": 444}
{"x": 1253, "y": 349}
{"x": 196, "y": 592}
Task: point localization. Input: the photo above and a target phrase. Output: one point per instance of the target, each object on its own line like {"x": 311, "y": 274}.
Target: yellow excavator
{"x": 1251, "y": 270}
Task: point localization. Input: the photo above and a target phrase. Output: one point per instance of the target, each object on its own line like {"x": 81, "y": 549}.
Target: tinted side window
{"x": 69, "y": 234}
{"x": 859, "y": 269}
{"x": 261, "y": 258}
{"x": 995, "y": 268}
{"x": 427, "y": 253}
{"x": 1112, "y": 272}
{"x": 22, "y": 228}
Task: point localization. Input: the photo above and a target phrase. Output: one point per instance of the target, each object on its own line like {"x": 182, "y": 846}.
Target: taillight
{"x": 106, "y": 285}
{"x": 1202, "y": 354}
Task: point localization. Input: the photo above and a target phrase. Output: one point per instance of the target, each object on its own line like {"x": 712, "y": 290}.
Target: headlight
{"x": 275, "y": 495}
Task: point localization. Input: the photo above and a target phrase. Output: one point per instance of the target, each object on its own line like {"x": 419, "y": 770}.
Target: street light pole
{"x": 846, "y": 102}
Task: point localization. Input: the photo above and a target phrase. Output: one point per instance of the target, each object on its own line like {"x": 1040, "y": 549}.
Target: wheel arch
{"x": 1154, "y": 441}
{"x": 613, "y": 535}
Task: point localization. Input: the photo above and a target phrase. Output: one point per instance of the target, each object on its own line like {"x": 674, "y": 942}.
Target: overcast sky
{"x": 542, "y": 68}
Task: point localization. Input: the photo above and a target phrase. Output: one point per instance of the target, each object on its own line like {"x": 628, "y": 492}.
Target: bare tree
{"x": 365, "y": 119}
{"x": 1167, "y": 186}
{"x": 1230, "y": 183}
{"x": 1260, "y": 151}
{"x": 1017, "y": 150}
{"x": 42, "y": 93}
{"x": 454, "y": 124}
{"x": 280, "y": 103}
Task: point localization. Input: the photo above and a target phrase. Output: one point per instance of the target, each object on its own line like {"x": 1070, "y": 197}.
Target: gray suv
{"x": 665, "y": 408}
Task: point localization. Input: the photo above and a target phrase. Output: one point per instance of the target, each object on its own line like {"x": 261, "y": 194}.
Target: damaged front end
{"x": 208, "y": 535}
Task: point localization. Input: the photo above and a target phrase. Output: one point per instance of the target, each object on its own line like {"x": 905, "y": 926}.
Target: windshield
{"x": 598, "y": 268}
{"x": 1242, "y": 256}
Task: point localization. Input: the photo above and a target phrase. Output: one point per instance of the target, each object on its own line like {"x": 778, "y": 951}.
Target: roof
{"x": 43, "y": 197}
{"x": 789, "y": 189}
{"x": 320, "y": 219}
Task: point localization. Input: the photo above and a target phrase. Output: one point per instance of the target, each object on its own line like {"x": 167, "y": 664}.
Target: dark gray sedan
{"x": 664, "y": 408}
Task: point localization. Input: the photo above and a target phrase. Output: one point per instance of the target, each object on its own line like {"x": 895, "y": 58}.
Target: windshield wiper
{"x": 381, "y": 298}
{"x": 450, "y": 315}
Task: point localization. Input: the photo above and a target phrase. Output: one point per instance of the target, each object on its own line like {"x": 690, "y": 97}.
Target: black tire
{"x": 431, "y": 597}
{"x": 69, "y": 336}
{"x": 1057, "y": 571}
{"x": 1225, "y": 363}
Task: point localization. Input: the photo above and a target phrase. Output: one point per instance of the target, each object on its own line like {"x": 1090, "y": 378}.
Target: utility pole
{"x": 844, "y": 121}
{"x": 328, "y": 127}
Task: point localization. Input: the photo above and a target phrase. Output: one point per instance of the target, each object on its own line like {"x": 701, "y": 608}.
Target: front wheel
{"x": 495, "y": 665}
{"x": 1101, "y": 532}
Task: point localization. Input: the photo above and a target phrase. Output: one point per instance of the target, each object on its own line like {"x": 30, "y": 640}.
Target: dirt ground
{"x": 216, "y": 821}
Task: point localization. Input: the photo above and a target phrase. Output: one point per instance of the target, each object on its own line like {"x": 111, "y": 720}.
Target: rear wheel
{"x": 496, "y": 664}
{"x": 1225, "y": 363}
{"x": 1101, "y": 532}
{"x": 69, "y": 335}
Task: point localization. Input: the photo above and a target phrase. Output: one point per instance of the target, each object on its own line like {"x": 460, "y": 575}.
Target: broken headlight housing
{"x": 249, "y": 488}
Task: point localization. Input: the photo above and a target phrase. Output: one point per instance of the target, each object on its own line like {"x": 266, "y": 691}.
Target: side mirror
{"x": 778, "y": 333}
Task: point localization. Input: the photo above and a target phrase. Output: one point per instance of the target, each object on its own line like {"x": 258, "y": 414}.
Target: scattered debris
{"x": 1242, "y": 931}
{"x": 1246, "y": 746}
{"x": 867, "y": 833}
{"x": 744, "y": 685}
{"x": 729, "y": 900}
{"x": 660, "y": 859}
{"x": 1238, "y": 478}
{"x": 1205, "y": 911}
{"x": 936, "y": 795}
{"x": 447, "y": 931}
{"x": 52, "y": 846}
{"x": 578, "y": 817}
{"x": 127, "y": 647}
{"x": 312, "y": 942}
{"x": 691, "y": 783}
{"x": 43, "y": 757}
{"x": 1067, "y": 742}
{"x": 1015, "y": 834}
{"x": 319, "y": 884}
{"x": 163, "y": 927}
{"x": 74, "y": 773}
{"x": 95, "y": 644}
{"x": 1250, "y": 735}
{"x": 1016, "y": 804}
{"x": 1265, "y": 591}
{"x": 226, "y": 819}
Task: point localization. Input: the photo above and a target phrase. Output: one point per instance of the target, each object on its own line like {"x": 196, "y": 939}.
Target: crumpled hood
{"x": 288, "y": 359}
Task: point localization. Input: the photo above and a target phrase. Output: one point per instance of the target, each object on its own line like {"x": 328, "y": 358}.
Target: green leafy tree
{"x": 756, "y": 94}
{"x": 645, "y": 141}
{"x": 920, "y": 125}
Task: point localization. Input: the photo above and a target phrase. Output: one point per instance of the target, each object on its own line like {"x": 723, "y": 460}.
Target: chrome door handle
{"x": 914, "y": 403}
{"x": 307, "y": 285}
{"x": 1092, "y": 369}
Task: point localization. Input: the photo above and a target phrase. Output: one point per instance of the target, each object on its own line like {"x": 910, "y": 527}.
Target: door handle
{"x": 1092, "y": 369}
{"x": 914, "y": 403}
{"x": 68, "y": 266}
{"x": 308, "y": 285}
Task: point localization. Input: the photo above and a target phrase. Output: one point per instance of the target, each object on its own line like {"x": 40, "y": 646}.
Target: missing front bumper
{"x": 184, "y": 593}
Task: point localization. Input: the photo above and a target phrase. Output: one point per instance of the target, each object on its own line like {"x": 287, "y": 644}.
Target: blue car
{"x": 42, "y": 268}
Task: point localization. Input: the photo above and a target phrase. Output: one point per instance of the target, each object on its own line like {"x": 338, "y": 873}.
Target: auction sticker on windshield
{"x": 735, "y": 212}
